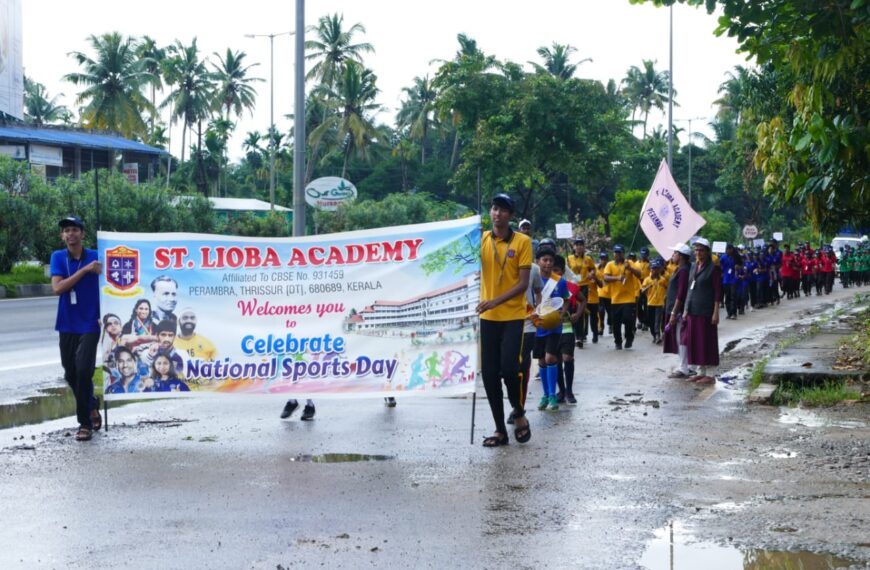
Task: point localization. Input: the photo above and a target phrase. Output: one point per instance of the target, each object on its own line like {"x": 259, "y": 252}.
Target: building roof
{"x": 430, "y": 294}
{"x": 244, "y": 204}
{"x": 79, "y": 138}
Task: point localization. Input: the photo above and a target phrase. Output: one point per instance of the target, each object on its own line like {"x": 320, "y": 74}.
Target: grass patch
{"x": 757, "y": 375}
{"x": 827, "y": 394}
{"x": 22, "y": 275}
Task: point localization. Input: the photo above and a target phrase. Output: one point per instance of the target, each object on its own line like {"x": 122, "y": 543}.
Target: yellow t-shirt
{"x": 604, "y": 290}
{"x": 670, "y": 268}
{"x": 645, "y": 271}
{"x": 655, "y": 295}
{"x": 500, "y": 264}
{"x": 196, "y": 346}
{"x": 593, "y": 288}
{"x": 621, "y": 293}
{"x": 581, "y": 266}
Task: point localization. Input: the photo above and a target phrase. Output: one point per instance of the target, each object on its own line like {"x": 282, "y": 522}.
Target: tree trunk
{"x": 455, "y": 149}
{"x": 423, "y": 144}
{"x": 169, "y": 146}
{"x": 344, "y": 166}
{"x": 183, "y": 139}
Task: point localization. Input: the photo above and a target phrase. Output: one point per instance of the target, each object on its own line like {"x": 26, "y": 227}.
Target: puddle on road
{"x": 340, "y": 458}
{"x": 673, "y": 548}
{"x": 49, "y": 404}
{"x": 809, "y": 418}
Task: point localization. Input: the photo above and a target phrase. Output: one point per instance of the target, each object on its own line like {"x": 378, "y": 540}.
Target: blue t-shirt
{"x": 83, "y": 316}
{"x": 727, "y": 265}
{"x": 560, "y": 290}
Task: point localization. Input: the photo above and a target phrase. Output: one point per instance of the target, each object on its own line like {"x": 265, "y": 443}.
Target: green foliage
{"x": 22, "y": 275}
{"x": 274, "y": 224}
{"x": 625, "y": 216}
{"x": 720, "y": 226}
{"x": 394, "y": 210}
{"x": 813, "y": 148}
{"x": 829, "y": 393}
{"x": 28, "y": 221}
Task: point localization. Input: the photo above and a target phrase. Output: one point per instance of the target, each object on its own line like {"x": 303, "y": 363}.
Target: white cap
{"x": 702, "y": 241}
{"x": 524, "y": 222}
{"x": 682, "y": 248}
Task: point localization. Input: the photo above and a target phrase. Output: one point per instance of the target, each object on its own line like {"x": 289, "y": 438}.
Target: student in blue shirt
{"x": 729, "y": 280}
{"x": 75, "y": 273}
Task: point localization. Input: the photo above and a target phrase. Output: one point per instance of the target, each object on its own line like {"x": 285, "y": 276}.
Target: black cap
{"x": 644, "y": 250}
{"x": 602, "y": 255}
{"x": 618, "y": 249}
{"x": 579, "y": 240}
{"x": 72, "y": 221}
{"x": 504, "y": 201}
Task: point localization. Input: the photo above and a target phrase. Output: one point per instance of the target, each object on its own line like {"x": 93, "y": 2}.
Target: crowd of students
{"x": 676, "y": 298}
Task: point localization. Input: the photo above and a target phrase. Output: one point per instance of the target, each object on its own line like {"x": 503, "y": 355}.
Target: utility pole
{"x": 299, "y": 140}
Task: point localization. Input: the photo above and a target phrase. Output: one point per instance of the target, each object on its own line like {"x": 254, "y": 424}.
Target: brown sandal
{"x": 84, "y": 434}
{"x": 96, "y": 420}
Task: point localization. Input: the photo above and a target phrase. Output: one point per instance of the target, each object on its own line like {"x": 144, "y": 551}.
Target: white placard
{"x": 47, "y": 155}
{"x": 777, "y": 236}
{"x": 564, "y": 231}
{"x": 758, "y": 242}
{"x": 719, "y": 246}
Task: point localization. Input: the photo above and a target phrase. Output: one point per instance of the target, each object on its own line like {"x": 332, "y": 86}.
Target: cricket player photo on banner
{"x": 373, "y": 312}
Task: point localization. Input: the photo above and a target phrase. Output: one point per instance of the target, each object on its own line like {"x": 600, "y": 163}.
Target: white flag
{"x": 666, "y": 217}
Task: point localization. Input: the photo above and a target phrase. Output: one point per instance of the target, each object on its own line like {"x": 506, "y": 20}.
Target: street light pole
{"x": 299, "y": 126}
{"x": 671, "y": 92}
{"x": 271, "y": 109}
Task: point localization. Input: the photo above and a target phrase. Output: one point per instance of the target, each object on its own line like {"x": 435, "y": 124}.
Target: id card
{"x": 692, "y": 286}
{"x": 72, "y": 297}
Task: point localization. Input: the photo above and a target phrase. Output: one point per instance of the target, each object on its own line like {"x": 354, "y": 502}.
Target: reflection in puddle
{"x": 808, "y": 418}
{"x": 339, "y": 458}
{"x": 673, "y": 549}
{"x": 51, "y": 404}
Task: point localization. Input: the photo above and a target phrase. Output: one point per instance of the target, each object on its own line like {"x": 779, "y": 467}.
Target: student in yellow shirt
{"x": 624, "y": 280}
{"x": 596, "y": 281}
{"x": 603, "y": 295}
{"x": 583, "y": 267}
{"x": 643, "y": 316}
{"x": 505, "y": 262}
{"x": 655, "y": 286}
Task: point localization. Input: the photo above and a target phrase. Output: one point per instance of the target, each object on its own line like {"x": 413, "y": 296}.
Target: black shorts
{"x": 546, "y": 345}
{"x": 566, "y": 344}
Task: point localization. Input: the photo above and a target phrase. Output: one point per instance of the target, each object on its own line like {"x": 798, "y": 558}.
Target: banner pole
{"x": 106, "y": 412}
{"x": 473, "y": 408}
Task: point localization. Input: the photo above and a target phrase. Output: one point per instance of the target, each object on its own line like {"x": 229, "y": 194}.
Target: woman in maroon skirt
{"x": 675, "y": 302}
{"x": 701, "y": 314}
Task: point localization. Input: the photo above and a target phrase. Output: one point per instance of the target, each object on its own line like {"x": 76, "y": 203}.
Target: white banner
{"x": 388, "y": 311}
{"x": 666, "y": 217}
{"x": 47, "y": 155}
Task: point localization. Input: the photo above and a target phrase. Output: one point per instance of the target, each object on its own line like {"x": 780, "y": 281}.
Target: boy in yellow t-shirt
{"x": 656, "y": 286}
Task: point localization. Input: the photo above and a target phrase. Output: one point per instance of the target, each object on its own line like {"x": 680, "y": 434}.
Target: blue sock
{"x": 552, "y": 381}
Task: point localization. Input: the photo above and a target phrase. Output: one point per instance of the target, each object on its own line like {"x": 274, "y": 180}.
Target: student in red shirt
{"x": 789, "y": 272}
{"x": 827, "y": 272}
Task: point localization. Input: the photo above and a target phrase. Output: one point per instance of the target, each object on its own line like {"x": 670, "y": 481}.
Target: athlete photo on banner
{"x": 371, "y": 312}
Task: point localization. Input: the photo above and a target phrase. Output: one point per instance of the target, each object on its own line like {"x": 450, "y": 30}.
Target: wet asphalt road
{"x": 223, "y": 483}
{"x": 29, "y": 357}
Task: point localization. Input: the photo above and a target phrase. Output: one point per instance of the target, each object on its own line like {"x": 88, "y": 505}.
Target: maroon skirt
{"x": 670, "y": 341}
{"x": 702, "y": 339}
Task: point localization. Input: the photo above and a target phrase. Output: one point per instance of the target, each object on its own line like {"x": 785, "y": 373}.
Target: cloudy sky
{"x": 407, "y": 36}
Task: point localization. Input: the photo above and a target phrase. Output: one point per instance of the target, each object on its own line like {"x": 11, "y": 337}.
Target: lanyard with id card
{"x": 73, "y": 300}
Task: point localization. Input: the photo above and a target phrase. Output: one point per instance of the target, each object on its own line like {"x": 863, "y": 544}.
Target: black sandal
{"x": 84, "y": 434}
{"x": 523, "y": 433}
{"x": 495, "y": 441}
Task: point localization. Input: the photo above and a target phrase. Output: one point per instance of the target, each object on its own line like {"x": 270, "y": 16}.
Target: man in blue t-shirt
{"x": 75, "y": 275}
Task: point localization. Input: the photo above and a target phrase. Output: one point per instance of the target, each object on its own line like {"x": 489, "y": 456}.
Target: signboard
{"x": 16, "y": 151}
{"x": 758, "y": 242}
{"x": 47, "y": 155}
{"x": 719, "y": 246}
{"x": 750, "y": 232}
{"x": 329, "y": 192}
{"x": 777, "y": 236}
{"x": 11, "y": 70}
{"x": 564, "y": 231}
{"x": 131, "y": 171}
{"x": 375, "y": 312}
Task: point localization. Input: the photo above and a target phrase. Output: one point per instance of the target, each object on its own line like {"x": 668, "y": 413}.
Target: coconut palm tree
{"x": 556, "y": 61}
{"x": 647, "y": 88}
{"x": 416, "y": 111}
{"x": 113, "y": 81}
{"x": 39, "y": 108}
{"x": 352, "y": 103}
{"x": 192, "y": 93}
{"x": 735, "y": 93}
{"x": 333, "y": 48}
{"x": 152, "y": 56}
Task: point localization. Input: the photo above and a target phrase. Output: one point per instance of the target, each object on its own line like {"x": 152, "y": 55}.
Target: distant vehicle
{"x": 841, "y": 242}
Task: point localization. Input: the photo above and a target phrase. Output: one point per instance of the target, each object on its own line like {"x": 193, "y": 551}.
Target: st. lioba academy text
{"x": 252, "y": 257}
